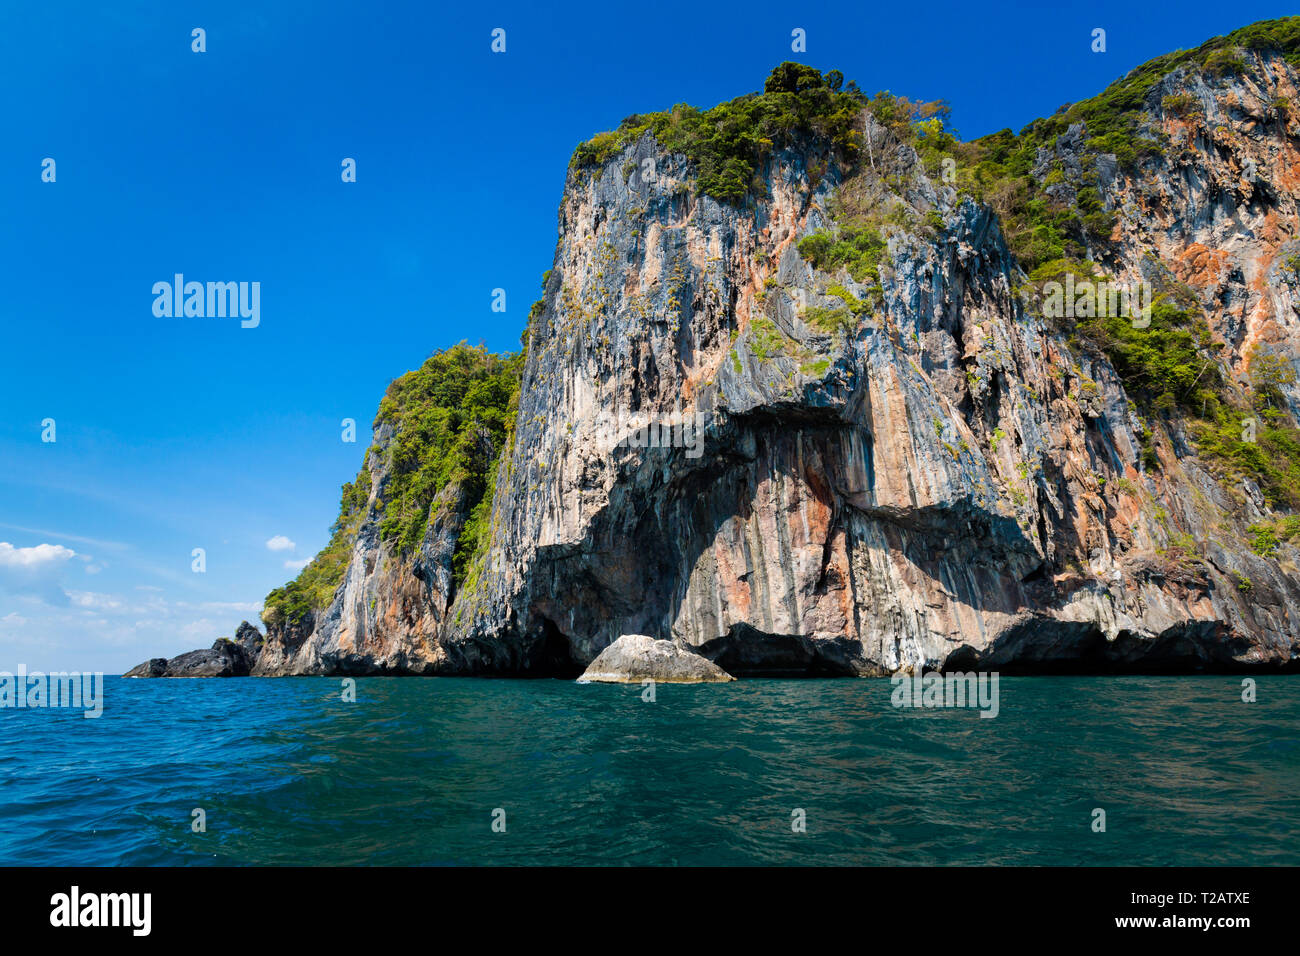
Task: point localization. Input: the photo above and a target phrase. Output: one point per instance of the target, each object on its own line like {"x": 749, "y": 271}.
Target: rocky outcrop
{"x": 226, "y": 658}
{"x": 636, "y": 657}
{"x": 951, "y": 484}
{"x": 940, "y": 478}
{"x": 154, "y": 667}
{"x": 250, "y": 641}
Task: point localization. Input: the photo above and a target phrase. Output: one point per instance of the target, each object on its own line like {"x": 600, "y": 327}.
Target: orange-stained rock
{"x": 950, "y": 481}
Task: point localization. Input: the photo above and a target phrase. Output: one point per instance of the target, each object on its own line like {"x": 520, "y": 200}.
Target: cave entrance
{"x": 552, "y": 655}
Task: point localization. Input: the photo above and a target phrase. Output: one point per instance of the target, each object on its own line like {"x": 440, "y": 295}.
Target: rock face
{"x": 946, "y": 483}
{"x": 947, "y": 486}
{"x": 154, "y": 667}
{"x": 226, "y": 658}
{"x": 636, "y": 657}
{"x": 250, "y": 641}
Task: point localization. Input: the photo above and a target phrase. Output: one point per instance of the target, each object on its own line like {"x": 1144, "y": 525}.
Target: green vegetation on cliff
{"x": 450, "y": 419}
{"x": 1169, "y": 368}
{"x": 858, "y": 249}
{"x": 1112, "y": 116}
{"x": 1162, "y": 365}
{"x": 729, "y": 142}
{"x": 1039, "y": 228}
{"x": 999, "y": 168}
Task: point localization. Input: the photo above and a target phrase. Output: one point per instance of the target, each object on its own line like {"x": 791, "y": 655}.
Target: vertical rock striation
{"x": 948, "y": 483}
{"x": 915, "y": 469}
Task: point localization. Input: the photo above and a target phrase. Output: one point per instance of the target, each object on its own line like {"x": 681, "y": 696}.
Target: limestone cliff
{"x": 909, "y": 463}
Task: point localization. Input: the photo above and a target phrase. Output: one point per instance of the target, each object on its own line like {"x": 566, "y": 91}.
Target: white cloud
{"x": 41, "y": 556}
{"x": 242, "y": 607}
{"x": 297, "y": 565}
{"x": 280, "y": 543}
{"x": 94, "y": 601}
{"x": 35, "y": 571}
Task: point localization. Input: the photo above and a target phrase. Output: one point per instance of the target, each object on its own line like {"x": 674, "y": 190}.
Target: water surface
{"x": 288, "y": 773}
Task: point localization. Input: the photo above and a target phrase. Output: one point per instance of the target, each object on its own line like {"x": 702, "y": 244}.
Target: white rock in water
{"x": 635, "y": 657}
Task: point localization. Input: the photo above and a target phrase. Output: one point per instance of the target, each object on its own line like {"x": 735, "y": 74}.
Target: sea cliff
{"x": 800, "y": 395}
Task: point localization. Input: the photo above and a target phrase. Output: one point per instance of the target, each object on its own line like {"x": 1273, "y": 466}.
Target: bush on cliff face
{"x": 1169, "y": 368}
{"x": 1242, "y": 444}
{"x": 1164, "y": 364}
{"x": 451, "y": 417}
{"x": 729, "y": 142}
{"x": 1039, "y": 227}
{"x": 858, "y": 249}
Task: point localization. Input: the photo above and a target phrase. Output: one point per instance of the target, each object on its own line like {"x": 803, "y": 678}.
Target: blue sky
{"x": 182, "y": 433}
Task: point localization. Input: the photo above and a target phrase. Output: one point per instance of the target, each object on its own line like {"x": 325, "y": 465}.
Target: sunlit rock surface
{"x": 947, "y": 484}
{"x": 636, "y": 657}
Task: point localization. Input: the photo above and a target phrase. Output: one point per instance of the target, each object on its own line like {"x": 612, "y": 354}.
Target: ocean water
{"x": 412, "y": 772}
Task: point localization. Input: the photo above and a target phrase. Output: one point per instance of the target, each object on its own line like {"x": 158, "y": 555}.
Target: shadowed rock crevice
{"x": 1045, "y": 647}
{"x": 748, "y": 652}
{"x": 552, "y": 655}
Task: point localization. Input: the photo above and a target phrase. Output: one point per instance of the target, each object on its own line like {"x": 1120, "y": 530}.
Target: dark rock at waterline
{"x": 154, "y": 667}
{"x": 225, "y": 658}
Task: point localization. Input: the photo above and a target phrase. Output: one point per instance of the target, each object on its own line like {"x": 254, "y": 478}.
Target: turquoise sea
{"x": 414, "y": 771}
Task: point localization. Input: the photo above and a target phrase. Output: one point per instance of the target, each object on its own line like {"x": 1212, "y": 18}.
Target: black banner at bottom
{"x": 214, "y": 905}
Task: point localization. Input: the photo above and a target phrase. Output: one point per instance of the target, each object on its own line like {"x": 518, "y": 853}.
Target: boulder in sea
{"x": 154, "y": 667}
{"x": 636, "y": 657}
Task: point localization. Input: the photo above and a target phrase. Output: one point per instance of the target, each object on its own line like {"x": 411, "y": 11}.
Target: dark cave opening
{"x": 552, "y": 655}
